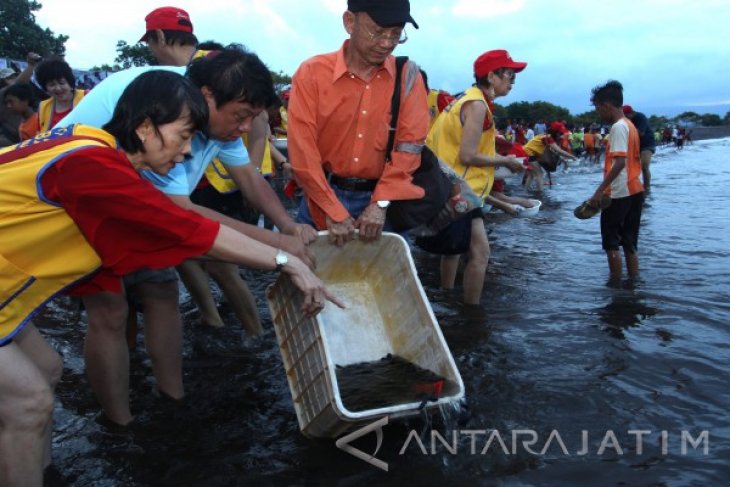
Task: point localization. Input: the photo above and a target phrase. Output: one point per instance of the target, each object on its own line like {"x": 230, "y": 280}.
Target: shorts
{"x": 454, "y": 239}
{"x": 229, "y": 204}
{"x": 141, "y": 276}
{"x": 620, "y": 223}
{"x": 648, "y": 149}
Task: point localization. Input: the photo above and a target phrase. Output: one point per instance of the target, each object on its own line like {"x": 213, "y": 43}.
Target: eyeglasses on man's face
{"x": 385, "y": 36}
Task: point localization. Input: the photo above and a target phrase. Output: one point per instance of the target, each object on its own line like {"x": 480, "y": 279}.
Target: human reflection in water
{"x": 625, "y": 309}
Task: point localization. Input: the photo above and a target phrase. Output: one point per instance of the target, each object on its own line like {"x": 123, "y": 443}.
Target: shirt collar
{"x": 341, "y": 70}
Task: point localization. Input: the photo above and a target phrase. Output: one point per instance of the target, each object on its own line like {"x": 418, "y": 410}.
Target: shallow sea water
{"x": 554, "y": 352}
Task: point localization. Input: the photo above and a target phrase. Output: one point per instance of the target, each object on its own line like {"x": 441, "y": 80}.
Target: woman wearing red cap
{"x": 464, "y": 137}
{"x": 537, "y": 146}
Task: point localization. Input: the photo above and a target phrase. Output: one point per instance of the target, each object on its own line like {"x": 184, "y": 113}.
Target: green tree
{"x": 711, "y": 120}
{"x": 586, "y": 119}
{"x": 281, "y": 80}
{"x": 726, "y": 119}
{"x": 136, "y": 55}
{"x": 658, "y": 121}
{"x": 689, "y": 117}
{"x": 19, "y": 33}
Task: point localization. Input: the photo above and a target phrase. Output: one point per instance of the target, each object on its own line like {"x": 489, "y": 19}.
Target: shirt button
{"x": 357, "y": 159}
{"x": 364, "y": 112}
{"x": 352, "y": 76}
{"x": 367, "y": 87}
{"x": 359, "y": 136}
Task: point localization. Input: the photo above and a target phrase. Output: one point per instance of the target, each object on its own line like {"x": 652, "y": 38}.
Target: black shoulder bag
{"x": 406, "y": 214}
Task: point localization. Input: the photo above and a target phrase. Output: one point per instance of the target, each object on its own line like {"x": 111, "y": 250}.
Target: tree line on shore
{"x": 21, "y": 34}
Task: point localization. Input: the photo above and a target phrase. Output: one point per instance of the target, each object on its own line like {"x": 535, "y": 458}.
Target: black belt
{"x": 353, "y": 184}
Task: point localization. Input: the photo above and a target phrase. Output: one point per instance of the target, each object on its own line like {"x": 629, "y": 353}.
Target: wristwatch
{"x": 280, "y": 166}
{"x": 384, "y": 204}
{"x": 281, "y": 260}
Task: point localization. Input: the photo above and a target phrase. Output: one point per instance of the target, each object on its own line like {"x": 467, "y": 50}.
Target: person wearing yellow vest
{"x": 57, "y": 79}
{"x": 75, "y": 209}
{"x": 281, "y": 131}
{"x": 536, "y": 147}
{"x": 463, "y": 136}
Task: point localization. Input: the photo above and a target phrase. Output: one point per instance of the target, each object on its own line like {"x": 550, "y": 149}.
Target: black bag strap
{"x": 400, "y": 61}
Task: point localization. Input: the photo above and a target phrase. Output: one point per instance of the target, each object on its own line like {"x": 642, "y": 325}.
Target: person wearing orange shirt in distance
{"x": 339, "y": 113}
{"x": 621, "y": 181}
{"x": 20, "y": 99}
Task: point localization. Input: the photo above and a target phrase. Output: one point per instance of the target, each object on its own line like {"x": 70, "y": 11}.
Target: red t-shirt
{"x": 130, "y": 223}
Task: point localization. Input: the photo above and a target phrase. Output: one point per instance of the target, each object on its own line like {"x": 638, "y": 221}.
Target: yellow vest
{"x": 535, "y": 146}
{"x": 42, "y": 250}
{"x": 444, "y": 139}
{"x": 47, "y": 107}
{"x": 433, "y": 107}
{"x": 284, "y": 121}
{"x": 219, "y": 178}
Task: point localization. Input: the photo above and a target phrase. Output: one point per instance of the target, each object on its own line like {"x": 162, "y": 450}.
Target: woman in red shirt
{"x": 79, "y": 181}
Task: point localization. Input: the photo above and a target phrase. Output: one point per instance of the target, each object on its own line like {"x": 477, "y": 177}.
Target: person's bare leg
{"x": 196, "y": 281}
{"x": 163, "y": 334}
{"x": 632, "y": 263}
{"x": 645, "y": 171}
{"x": 106, "y": 354}
{"x": 50, "y": 364}
{"x": 537, "y": 174}
{"x": 614, "y": 263}
{"x": 26, "y": 408}
{"x": 238, "y": 295}
{"x": 132, "y": 327}
{"x": 449, "y": 267}
{"x": 476, "y": 267}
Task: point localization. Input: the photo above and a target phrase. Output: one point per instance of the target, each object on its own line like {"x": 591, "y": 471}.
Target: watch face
{"x": 281, "y": 259}
{"x": 383, "y": 204}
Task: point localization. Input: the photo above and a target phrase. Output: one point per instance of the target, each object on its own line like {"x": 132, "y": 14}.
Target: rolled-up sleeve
{"x": 410, "y": 135}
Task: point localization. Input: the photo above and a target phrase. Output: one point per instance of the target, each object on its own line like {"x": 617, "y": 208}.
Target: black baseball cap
{"x": 385, "y": 13}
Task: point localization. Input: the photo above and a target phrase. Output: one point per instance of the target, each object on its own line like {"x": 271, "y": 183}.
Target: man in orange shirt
{"x": 339, "y": 114}
{"x": 621, "y": 181}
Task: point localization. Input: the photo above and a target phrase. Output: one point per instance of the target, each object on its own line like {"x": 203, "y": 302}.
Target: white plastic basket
{"x": 387, "y": 312}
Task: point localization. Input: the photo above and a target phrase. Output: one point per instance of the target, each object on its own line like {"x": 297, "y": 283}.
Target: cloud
{"x": 485, "y": 9}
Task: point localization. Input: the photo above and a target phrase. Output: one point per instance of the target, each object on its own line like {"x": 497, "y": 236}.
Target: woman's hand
{"x": 315, "y": 292}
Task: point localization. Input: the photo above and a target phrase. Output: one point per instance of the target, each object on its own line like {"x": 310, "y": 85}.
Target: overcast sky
{"x": 670, "y": 55}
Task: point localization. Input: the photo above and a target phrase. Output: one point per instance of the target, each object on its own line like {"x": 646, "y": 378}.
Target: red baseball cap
{"x": 558, "y": 127}
{"x": 167, "y": 18}
{"x": 627, "y": 110}
{"x": 493, "y": 60}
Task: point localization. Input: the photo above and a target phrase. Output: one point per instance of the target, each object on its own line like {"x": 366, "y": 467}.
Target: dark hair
{"x": 52, "y": 69}
{"x": 210, "y": 46}
{"x": 232, "y": 74}
{"x": 484, "y": 80}
{"x": 172, "y": 36}
{"x": 22, "y": 91}
{"x": 160, "y": 96}
{"x": 612, "y": 92}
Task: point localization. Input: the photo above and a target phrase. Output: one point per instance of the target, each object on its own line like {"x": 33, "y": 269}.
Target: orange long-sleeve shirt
{"x": 339, "y": 123}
